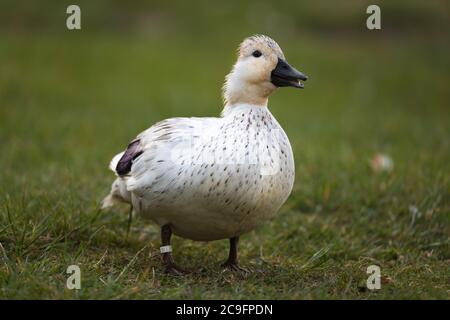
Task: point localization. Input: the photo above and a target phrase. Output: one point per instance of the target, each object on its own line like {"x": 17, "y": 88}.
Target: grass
{"x": 70, "y": 101}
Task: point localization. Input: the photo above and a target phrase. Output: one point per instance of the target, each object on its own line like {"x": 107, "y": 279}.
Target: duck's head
{"x": 260, "y": 68}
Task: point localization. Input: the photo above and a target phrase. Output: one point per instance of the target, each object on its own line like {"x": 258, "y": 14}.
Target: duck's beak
{"x": 284, "y": 75}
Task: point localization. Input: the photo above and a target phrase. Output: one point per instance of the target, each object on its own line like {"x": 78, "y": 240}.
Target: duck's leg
{"x": 166, "y": 252}
{"x": 130, "y": 218}
{"x": 232, "y": 262}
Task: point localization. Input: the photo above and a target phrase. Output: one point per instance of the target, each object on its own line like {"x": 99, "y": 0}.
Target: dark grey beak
{"x": 284, "y": 75}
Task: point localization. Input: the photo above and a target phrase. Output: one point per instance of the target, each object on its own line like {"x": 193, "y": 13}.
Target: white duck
{"x": 215, "y": 178}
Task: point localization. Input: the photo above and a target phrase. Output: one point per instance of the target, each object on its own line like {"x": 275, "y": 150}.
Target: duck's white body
{"x": 210, "y": 178}
{"x": 215, "y": 178}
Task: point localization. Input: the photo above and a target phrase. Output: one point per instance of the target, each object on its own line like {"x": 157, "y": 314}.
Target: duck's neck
{"x": 245, "y": 108}
{"x": 249, "y": 95}
{"x": 237, "y": 91}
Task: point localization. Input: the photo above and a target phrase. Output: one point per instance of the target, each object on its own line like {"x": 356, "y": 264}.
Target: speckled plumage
{"x": 214, "y": 178}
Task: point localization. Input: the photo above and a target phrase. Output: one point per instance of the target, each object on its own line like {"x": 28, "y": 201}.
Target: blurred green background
{"x": 70, "y": 100}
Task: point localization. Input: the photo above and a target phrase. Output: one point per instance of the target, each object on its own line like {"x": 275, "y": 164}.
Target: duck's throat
{"x": 246, "y": 97}
{"x": 238, "y": 92}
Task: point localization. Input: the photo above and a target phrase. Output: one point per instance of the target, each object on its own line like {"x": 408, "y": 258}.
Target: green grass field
{"x": 70, "y": 100}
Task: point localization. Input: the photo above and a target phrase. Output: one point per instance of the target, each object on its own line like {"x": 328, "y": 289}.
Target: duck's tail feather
{"x": 115, "y": 161}
{"x": 118, "y": 194}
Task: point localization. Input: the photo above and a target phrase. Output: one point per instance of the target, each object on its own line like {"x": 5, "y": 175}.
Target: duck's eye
{"x": 256, "y": 53}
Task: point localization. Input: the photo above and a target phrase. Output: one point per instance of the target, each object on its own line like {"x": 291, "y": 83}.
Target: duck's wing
{"x": 148, "y": 162}
{"x": 125, "y": 162}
